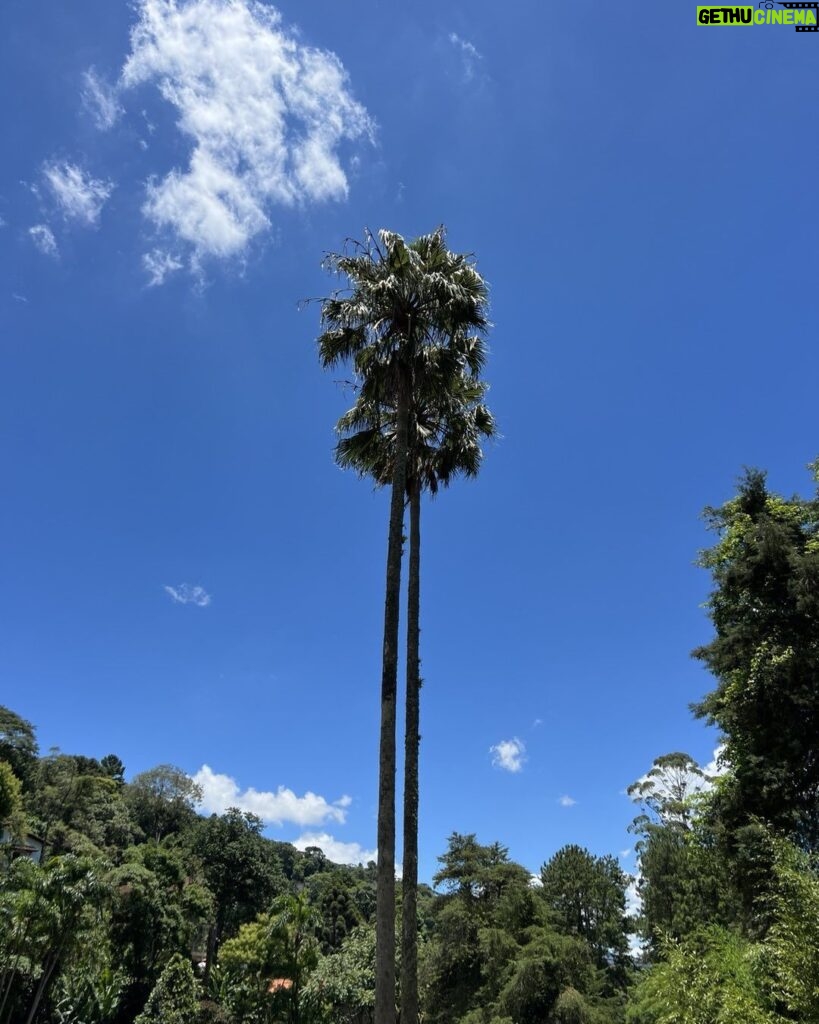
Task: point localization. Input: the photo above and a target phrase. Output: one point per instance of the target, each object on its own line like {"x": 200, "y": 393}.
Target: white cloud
{"x": 187, "y": 594}
{"x": 624, "y": 854}
{"x": 718, "y": 765}
{"x": 566, "y": 801}
{"x": 80, "y": 196}
{"x": 158, "y": 265}
{"x": 469, "y": 54}
{"x": 19, "y": 298}
{"x": 334, "y": 849}
{"x": 509, "y": 755}
{"x": 634, "y": 904}
{"x": 222, "y": 791}
{"x": 265, "y": 115}
{"x": 100, "y": 100}
{"x": 634, "y": 908}
{"x": 43, "y": 238}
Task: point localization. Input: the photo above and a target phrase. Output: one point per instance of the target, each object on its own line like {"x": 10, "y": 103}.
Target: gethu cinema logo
{"x": 802, "y": 15}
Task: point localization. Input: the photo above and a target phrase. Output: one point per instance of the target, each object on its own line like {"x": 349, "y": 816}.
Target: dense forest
{"x": 120, "y": 904}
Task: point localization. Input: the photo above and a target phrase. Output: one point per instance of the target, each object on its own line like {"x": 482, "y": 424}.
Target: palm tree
{"x": 402, "y": 300}
{"x": 447, "y": 422}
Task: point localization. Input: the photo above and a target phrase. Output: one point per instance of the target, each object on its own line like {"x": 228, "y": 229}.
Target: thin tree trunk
{"x": 210, "y": 952}
{"x": 19, "y": 949}
{"x": 385, "y": 877}
{"x": 409, "y": 885}
{"x": 45, "y": 980}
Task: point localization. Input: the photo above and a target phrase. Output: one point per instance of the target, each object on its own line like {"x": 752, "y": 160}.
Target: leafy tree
{"x": 77, "y": 807}
{"x": 294, "y": 926}
{"x": 587, "y": 896}
{"x": 157, "y": 908}
{"x": 11, "y": 794}
{"x": 163, "y": 799}
{"x": 669, "y": 790}
{"x": 18, "y": 744}
{"x": 113, "y": 767}
{"x": 333, "y": 896}
{"x": 683, "y": 881}
{"x": 546, "y": 978}
{"x": 341, "y": 990}
{"x": 403, "y": 300}
{"x": 241, "y": 869}
{"x": 765, "y": 656}
{"x": 174, "y": 999}
{"x": 792, "y": 945}
{"x": 713, "y": 977}
{"x": 91, "y": 988}
{"x": 268, "y": 962}
{"x": 53, "y": 909}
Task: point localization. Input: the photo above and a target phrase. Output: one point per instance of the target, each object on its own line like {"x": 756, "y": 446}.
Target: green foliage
{"x": 113, "y": 767}
{"x": 157, "y": 908}
{"x": 587, "y": 896}
{"x": 765, "y": 657}
{"x": 684, "y": 880}
{"x": 711, "y": 978}
{"x": 77, "y": 807}
{"x": 162, "y": 800}
{"x": 334, "y": 898}
{"x": 11, "y": 793}
{"x": 718, "y": 976}
{"x": 90, "y": 990}
{"x": 494, "y": 952}
{"x": 267, "y": 964}
{"x": 174, "y": 999}
{"x": 240, "y": 867}
{"x": 18, "y": 745}
{"x": 48, "y": 913}
{"x": 792, "y": 947}
{"x": 571, "y": 1008}
{"x": 670, "y": 791}
{"x": 341, "y": 990}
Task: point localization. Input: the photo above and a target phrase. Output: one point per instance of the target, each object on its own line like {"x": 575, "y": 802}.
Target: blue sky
{"x": 188, "y": 578}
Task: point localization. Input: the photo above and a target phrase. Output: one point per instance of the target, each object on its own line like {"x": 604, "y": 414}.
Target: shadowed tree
{"x": 18, "y": 745}
{"x": 765, "y": 657}
{"x": 403, "y": 301}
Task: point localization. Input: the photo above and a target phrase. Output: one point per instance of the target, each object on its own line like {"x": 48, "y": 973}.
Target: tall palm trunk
{"x": 385, "y": 878}
{"x": 409, "y": 934}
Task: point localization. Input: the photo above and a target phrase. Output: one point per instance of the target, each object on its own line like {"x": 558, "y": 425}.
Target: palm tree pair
{"x": 412, "y": 325}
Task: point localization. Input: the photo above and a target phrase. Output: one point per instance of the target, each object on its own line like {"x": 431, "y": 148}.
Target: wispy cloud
{"x": 470, "y": 57}
{"x": 509, "y": 755}
{"x": 19, "y": 298}
{"x": 265, "y": 115}
{"x": 100, "y": 100}
{"x": 158, "y": 265}
{"x": 43, "y": 238}
{"x": 275, "y": 808}
{"x": 566, "y": 801}
{"x": 185, "y": 593}
{"x": 335, "y": 850}
{"x": 79, "y": 196}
